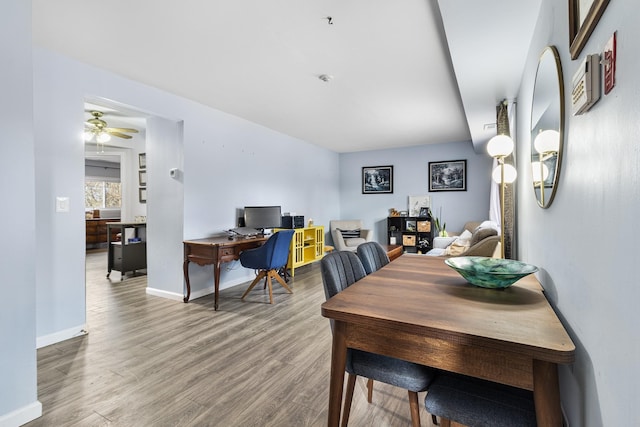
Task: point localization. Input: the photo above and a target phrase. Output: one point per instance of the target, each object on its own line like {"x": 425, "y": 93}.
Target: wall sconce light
{"x": 499, "y": 147}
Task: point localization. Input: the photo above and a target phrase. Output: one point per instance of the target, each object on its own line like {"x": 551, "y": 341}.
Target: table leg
{"x": 216, "y": 280}
{"x": 185, "y": 270}
{"x": 546, "y": 394}
{"x": 338, "y": 363}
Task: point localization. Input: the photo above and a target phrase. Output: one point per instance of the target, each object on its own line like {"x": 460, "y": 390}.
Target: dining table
{"x": 418, "y": 309}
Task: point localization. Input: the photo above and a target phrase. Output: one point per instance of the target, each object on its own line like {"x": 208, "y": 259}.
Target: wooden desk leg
{"x": 338, "y": 363}
{"x": 185, "y": 270}
{"x": 546, "y": 394}
{"x": 216, "y": 280}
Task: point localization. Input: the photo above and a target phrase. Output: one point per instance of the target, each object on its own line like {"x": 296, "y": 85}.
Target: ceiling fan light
{"x": 103, "y": 137}
{"x": 88, "y": 136}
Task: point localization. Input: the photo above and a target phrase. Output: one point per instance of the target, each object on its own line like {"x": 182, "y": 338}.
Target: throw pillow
{"x": 349, "y": 234}
{"x": 482, "y": 233}
{"x": 460, "y": 245}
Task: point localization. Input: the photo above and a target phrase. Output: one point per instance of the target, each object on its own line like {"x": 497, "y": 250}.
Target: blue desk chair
{"x": 373, "y": 256}
{"x": 268, "y": 258}
{"x": 340, "y": 270}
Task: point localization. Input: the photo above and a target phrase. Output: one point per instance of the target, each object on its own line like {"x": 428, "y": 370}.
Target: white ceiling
{"x": 393, "y": 82}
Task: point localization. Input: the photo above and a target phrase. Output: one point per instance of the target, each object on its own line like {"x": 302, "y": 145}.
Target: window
{"x": 102, "y": 194}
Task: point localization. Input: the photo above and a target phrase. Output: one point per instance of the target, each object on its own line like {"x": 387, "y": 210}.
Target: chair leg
{"x": 351, "y": 384}
{"x": 415, "y": 408}
{"x": 369, "y": 390}
{"x": 275, "y": 275}
{"x": 255, "y": 281}
{"x": 268, "y": 282}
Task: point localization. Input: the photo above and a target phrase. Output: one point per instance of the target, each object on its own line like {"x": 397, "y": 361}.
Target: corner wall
{"x": 18, "y": 370}
{"x": 225, "y": 162}
{"x": 585, "y": 243}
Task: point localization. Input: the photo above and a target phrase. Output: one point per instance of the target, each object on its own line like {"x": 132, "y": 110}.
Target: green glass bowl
{"x": 494, "y": 273}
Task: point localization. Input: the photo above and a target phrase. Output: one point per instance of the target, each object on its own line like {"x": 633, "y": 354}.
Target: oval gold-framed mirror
{"x": 547, "y": 126}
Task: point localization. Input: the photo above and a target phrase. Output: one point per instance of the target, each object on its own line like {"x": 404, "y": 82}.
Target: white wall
{"x": 226, "y": 163}
{"x": 18, "y": 379}
{"x": 411, "y": 178}
{"x": 585, "y": 243}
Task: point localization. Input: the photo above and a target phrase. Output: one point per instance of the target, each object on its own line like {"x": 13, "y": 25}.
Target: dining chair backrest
{"x": 339, "y": 270}
{"x": 373, "y": 256}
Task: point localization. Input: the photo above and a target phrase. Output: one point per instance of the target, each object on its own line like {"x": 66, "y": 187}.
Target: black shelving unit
{"x": 414, "y": 233}
{"x": 125, "y": 255}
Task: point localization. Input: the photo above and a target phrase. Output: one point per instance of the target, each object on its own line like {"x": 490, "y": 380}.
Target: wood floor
{"x": 149, "y": 361}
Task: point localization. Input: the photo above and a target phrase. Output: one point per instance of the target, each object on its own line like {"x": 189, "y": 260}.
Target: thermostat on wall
{"x": 586, "y": 85}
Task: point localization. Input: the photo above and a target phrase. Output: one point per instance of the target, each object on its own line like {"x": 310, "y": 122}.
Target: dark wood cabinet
{"x": 96, "y": 232}
{"x": 414, "y": 233}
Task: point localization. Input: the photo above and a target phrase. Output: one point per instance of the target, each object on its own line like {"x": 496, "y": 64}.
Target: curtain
{"x": 506, "y": 119}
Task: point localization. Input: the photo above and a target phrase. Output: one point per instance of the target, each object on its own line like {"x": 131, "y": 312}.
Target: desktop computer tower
{"x": 296, "y": 221}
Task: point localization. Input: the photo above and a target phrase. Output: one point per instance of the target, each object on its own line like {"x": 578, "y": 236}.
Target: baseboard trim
{"x": 164, "y": 294}
{"x": 22, "y": 416}
{"x": 59, "y": 336}
{"x": 195, "y": 294}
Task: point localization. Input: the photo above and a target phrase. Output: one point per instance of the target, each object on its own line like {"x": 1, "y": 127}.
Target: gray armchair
{"x": 347, "y": 235}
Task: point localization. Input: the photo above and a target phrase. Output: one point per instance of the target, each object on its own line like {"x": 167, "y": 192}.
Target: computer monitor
{"x": 261, "y": 217}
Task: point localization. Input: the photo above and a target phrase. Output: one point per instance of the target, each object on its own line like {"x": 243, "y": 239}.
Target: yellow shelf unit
{"x": 307, "y": 246}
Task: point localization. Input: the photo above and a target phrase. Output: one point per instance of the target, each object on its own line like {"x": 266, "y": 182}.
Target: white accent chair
{"x": 347, "y": 235}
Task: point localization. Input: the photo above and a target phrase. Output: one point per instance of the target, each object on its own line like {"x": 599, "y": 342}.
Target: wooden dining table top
{"x": 421, "y": 295}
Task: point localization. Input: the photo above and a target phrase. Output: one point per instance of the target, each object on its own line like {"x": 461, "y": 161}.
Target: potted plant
{"x": 441, "y": 226}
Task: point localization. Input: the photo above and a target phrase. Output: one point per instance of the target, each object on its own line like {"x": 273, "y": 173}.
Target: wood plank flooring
{"x": 149, "y": 361}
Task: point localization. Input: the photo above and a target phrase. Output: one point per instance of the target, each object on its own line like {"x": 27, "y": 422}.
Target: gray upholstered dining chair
{"x": 373, "y": 256}
{"x": 474, "y": 402}
{"x": 340, "y": 270}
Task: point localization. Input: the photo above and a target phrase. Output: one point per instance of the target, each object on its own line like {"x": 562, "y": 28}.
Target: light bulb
{"x": 103, "y": 137}
{"x": 500, "y": 146}
{"x": 88, "y": 136}
{"x": 547, "y": 141}
{"x": 510, "y": 174}
{"x": 537, "y": 168}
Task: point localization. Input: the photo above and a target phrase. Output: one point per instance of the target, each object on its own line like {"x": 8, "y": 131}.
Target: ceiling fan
{"x": 97, "y": 130}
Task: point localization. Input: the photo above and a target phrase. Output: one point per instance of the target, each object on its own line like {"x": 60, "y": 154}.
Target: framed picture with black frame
{"x": 448, "y": 175}
{"x": 142, "y": 195}
{"x": 377, "y": 179}
{"x": 142, "y": 178}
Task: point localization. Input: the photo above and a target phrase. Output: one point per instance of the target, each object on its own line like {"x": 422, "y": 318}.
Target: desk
{"x": 418, "y": 309}
{"x": 215, "y": 250}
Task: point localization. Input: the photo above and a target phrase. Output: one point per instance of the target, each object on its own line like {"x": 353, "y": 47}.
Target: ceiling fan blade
{"x": 121, "y": 130}
{"x": 118, "y": 134}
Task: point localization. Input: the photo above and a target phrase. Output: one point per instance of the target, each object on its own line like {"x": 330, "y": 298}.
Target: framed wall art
{"x": 448, "y": 175}
{"x": 583, "y": 18}
{"x": 142, "y": 195}
{"x": 142, "y": 160}
{"x": 377, "y": 179}
{"x": 417, "y": 204}
{"x": 142, "y": 178}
